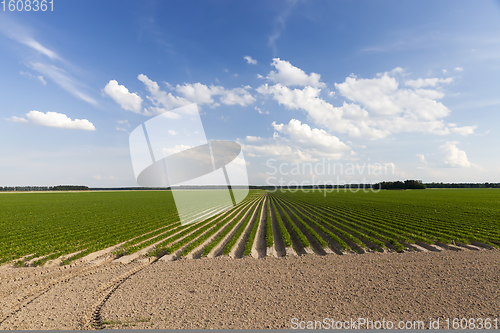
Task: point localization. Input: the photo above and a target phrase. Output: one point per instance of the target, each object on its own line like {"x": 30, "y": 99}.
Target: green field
{"x": 444, "y": 215}
{"x": 44, "y": 226}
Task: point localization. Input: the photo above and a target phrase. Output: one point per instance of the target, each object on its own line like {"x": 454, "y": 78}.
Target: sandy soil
{"x": 254, "y": 293}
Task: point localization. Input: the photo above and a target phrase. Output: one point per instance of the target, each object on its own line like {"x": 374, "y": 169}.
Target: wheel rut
{"x": 93, "y": 318}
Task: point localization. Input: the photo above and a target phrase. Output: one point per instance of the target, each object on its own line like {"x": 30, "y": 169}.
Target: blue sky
{"x": 408, "y": 89}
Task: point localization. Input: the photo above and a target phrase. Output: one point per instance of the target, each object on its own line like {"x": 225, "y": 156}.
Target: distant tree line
{"x": 396, "y": 185}
{"x": 44, "y": 188}
{"x": 399, "y": 185}
{"x": 463, "y": 185}
{"x": 184, "y": 187}
{"x": 417, "y": 184}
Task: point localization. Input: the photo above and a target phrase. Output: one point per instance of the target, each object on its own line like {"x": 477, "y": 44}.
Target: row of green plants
{"x": 174, "y": 243}
{"x": 246, "y": 211}
{"x": 302, "y": 238}
{"x": 388, "y": 218}
{"x": 229, "y": 246}
{"x": 366, "y": 233}
{"x": 303, "y": 218}
{"x": 253, "y": 233}
{"x": 284, "y": 233}
{"x": 354, "y": 237}
{"x": 463, "y": 214}
{"x": 230, "y": 215}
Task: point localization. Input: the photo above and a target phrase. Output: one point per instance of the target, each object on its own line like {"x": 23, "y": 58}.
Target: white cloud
{"x": 429, "y": 93}
{"x": 238, "y": 96}
{"x": 250, "y": 60}
{"x": 465, "y": 130}
{"x": 125, "y": 125}
{"x": 279, "y": 25}
{"x": 24, "y": 36}
{"x": 161, "y": 100}
{"x": 322, "y": 113}
{"x": 199, "y": 93}
{"x": 38, "y": 47}
{"x": 377, "y": 107}
{"x": 15, "y": 119}
{"x": 120, "y": 94}
{"x": 289, "y": 75}
{"x": 176, "y": 149}
{"x": 54, "y": 119}
{"x": 459, "y": 69}
{"x": 453, "y": 156}
{"x": 63, "y": 79}
{"x": 259, "y": 76}
{"x": 431, "y": 82}
{"x": 20, "y": 34}
{"x": 421, "y": 158}
{"x": 306, "y": 137}
{"x": 193, "y": 93}
{"x": 38, "y": 77}
{"x": 260, "y": 111}
{"x": 172, "y": 132}
{"x": 235, "y": 75}
{"x": 299, "y": 143}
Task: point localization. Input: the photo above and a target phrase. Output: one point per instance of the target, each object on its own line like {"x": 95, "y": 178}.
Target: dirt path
{"x": 252, "y": 293}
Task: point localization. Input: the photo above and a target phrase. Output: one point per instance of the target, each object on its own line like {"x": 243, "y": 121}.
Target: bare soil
{"x": 253, "y": 293}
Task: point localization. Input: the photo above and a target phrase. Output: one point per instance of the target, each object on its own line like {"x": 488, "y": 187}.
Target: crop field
{"x": 38, "y": 228}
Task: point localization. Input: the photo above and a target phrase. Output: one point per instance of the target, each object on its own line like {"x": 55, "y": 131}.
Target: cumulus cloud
{"x": 464, "y": 130}
{"x": 375, "y": 108}
{"x": 238, "y": 96}
{"x": 162, "y": 101}
{"x": 199, "y": 93}
{"x": 250, "y": 60}
{"x": 120, "y": 94}
{"x": 459, "y": 69}
{"x": 289, "y": 75}
{"x": 193, "y": 93}
{"x": 15, "y": 119}
{"x": 453, "y": 156}
{"x": 305, "y": 136}
{"x": 297, "y": 142}
{"x": 431, "y": 82}
{"x": 322, "y": 113}
{"x": 54, "y": 119}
